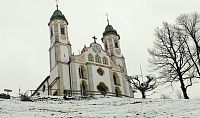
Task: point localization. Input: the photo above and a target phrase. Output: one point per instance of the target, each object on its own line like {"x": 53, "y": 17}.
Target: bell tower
{"x": 111, "y": 41}
{"x": 59, "y": 52}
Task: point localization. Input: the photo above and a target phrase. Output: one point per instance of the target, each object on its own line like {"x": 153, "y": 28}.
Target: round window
{"x": 100, "y": 71}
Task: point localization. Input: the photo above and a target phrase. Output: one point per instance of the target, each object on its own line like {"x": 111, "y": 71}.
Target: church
{"x": 96, "y": 70}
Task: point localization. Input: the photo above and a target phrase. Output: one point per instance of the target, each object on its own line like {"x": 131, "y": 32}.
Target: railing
{"x": 91, "y": 93}
{"x": 86, "y": 93}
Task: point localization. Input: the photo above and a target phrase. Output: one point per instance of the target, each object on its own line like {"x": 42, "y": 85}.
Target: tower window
{"x": 106, "y": 46}
{"x": 62, "y": 29}
{"x": 51, "y": 32}
{"x": 116, "y": 44}
{"x": 98, "y": 59}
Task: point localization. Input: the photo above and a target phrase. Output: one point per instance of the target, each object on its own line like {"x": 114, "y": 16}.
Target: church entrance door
{"x": 103, "y": 89}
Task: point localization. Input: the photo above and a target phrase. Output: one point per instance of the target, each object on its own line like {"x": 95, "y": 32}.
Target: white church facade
{"x": 96, "y": 70}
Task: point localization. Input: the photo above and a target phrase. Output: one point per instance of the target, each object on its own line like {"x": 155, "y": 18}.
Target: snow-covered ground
{"x": 109, "y": 107}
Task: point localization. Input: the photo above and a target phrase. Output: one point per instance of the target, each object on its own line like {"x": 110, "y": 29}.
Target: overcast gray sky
{"x": 24, "y": 33}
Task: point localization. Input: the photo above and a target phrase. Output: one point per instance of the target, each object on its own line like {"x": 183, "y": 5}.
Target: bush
{"x": 25, "y": 98}
{"x": 4, "y": 96}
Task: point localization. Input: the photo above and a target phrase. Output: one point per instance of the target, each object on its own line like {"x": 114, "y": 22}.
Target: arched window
{"x": 82, "y": 72}
{"x": 116, "y": 44}
{"x": 116, "y": 79}
{"x": 51, "y": 32}
{"x": 98, "y": 59}
{"x": 90, "y": 58}
{"x": 106, "y": 46}
{"x": 62, "y": 29}
{"x": 105, "y": 60}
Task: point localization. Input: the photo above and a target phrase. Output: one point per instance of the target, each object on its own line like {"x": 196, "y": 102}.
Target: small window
{"x": 44, "y": 87}
{"x": 100, "y": 71}
{"x": 90, "y": 58}
{"x": 98, "y": 59}
{"x": 62, "y": 29}
{"x": 106, "y": 46}
{"x": 105, "y": 60}
{"x": 38, "y": 93}
{"x": 51, "y": 32}
{"x": 116, "y": 44}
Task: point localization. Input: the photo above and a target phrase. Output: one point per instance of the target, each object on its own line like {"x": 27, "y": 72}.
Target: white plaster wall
{"x": 105, "y": 78}
{"x": 64, "y": 54}
{"x": 53, "y": 74}
{"x": 53, "y": 88}
{"x": 66, "y": 78}
{"x": 78, "y": 79}
{"x": 127, "y": 87}
{"x": 53, "y": 58}
{"x": 53, "y": 41}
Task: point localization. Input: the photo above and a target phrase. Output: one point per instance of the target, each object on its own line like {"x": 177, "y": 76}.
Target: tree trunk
{"x": 184, "y": 90}
{"x": 143, "y": 94}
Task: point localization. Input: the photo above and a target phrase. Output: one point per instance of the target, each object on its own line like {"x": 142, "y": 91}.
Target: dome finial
{"x": 94, "y": 39}
{"x": 107, "y": 18}
{"x": 57, "y": 4}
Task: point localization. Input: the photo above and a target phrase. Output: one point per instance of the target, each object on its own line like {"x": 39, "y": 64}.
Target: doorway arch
{"x": 103, "y": 89}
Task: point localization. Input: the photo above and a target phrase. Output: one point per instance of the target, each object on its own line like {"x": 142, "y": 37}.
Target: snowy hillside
{"x": 109, "y": 107}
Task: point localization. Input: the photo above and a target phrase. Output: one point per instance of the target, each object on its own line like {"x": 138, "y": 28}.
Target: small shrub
{"x": 25, "y": 98}
{"x": 164, "y": 96}
{"x": 4, "y": 96}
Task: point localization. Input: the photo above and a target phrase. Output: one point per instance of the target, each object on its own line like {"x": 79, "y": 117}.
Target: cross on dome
{"x": 107, "y": 18}
{"x": 94, "y": 39}
{"x": 57, "y": 4}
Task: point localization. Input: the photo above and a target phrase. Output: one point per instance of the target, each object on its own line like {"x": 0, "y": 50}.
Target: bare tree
{"x": 190, "y": 26}
{"x": 143, "y": 87}
{"x": 170, "y": 58}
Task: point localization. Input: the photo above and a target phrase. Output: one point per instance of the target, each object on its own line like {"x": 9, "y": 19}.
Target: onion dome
{"x": 58, "y": 15}
{"x": 109, "y": 30}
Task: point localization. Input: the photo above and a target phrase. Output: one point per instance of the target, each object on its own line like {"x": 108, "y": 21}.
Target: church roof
{"x": 109, "y": 29}
{"x": 58, "y": 15}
